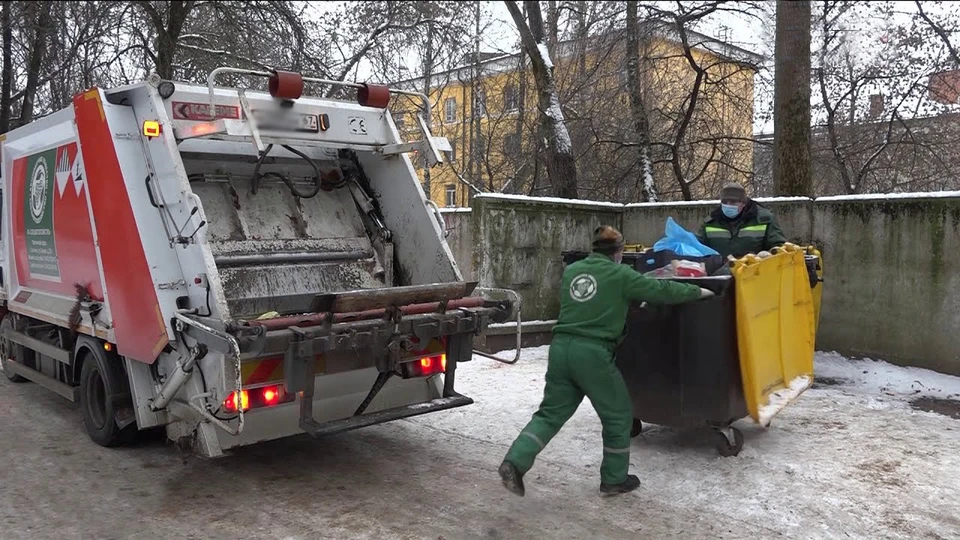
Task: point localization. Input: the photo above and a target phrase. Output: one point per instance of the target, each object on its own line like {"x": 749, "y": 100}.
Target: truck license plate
{"x": 286, "y": 121}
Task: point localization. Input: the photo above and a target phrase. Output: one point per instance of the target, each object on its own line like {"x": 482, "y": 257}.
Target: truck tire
{"x": 9, "y": 349}
{"x": 102, "y": 380}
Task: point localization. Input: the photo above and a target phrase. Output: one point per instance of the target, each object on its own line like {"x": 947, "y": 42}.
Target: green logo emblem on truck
{"x": 38, "y": 190}
{"x": 38, "y": 205}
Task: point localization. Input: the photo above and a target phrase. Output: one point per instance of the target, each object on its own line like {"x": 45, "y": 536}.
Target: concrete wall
{"x": 518, "y": 241}
{"x": 459, "y": 228}
{"x": 892, "y": 264}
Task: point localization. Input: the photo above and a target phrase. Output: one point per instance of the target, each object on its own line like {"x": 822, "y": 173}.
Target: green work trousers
{"x": 578, "y": 367}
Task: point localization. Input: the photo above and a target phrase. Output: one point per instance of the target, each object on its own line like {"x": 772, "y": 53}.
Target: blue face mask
{"x": 730, "y": 210}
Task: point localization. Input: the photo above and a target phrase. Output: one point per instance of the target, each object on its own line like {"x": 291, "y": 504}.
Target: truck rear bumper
{"x": 335, "y": 401}
{"x": 396, "y": 413}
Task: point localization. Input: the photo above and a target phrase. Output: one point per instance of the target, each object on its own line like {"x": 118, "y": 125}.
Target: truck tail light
{"x": 424, "y": 367}
{"x": 256, "y": 398}
{"x": 230, "y": 404}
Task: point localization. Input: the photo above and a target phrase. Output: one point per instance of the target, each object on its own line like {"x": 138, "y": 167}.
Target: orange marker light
{"x": 107, "y": 347}
{"x": 151, "y": 128}
{"x": 230, "y": 404}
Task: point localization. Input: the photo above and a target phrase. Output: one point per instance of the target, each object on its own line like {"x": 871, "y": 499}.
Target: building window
{"x": 451, "y": 199}
{"x": 450, "y": 110}
{"x": 481, "y": 106}
{"x": 400, "y": 120}
{"x": 452, "y": 154}
{"x": 480, "y": 143}
{"x": 511, "y": 101}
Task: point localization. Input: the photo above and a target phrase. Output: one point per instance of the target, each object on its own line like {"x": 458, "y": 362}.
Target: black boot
{"x": 512, "y": 478}
{"x": 628, "y": 485}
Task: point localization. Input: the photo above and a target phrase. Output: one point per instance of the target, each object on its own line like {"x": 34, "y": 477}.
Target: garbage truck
{"x": 235, "y": 265}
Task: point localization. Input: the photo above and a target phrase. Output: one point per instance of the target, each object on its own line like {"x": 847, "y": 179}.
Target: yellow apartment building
{"x": 488, "y": 111}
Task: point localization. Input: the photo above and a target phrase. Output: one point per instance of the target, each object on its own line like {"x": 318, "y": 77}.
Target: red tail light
{"x": 256, "y": 398}
{"x": 431, "y": 365}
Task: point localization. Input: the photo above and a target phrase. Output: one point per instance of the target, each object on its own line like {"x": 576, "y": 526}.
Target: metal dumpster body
{"x": 681, "y": 362}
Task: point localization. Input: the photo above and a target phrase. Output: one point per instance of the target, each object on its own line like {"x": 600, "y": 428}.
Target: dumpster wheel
{"x": 636, "y": 429}
{"x": 724, "y": 446}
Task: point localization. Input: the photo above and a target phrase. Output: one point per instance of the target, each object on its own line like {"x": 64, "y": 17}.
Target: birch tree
{"x": 560, "y": 160}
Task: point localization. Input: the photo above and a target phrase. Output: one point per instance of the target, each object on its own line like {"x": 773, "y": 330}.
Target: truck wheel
{"x": 636, "y": 429}
{"x": 9, "y": 349}
{"x": 100, "y": 381}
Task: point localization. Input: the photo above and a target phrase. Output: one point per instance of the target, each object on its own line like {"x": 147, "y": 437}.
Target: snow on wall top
{"x": 553, "y": 200}
{"x": 892, "y": 196}
{"x": 712, "y": 202}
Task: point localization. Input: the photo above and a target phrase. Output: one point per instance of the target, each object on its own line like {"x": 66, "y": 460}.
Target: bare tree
{"x": 641, "y": 124}
{"x": 870, "y": 89}
{"x": 38, "y": 15}
{"x": 940, "y": 31}
{"x": 7, "y": 74}
{"x": 560, "y": 160}
{"x": 791, "y": 162}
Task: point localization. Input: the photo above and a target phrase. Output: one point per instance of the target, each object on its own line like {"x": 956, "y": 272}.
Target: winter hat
{"x": 733, "y": 191}
{"x": 607, "y": 238}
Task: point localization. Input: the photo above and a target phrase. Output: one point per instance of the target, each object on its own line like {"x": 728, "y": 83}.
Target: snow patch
{"x": 560, "y": 133}
{"x": 545, "y": 54}
{"x": 884, "y": 379}
{"x": 713, "y": 202}
{"x": 525, "y": 198}
{"x": 456, "y": 210}
{"x": 781, "y": 398}
{"x": 523, "y": 324}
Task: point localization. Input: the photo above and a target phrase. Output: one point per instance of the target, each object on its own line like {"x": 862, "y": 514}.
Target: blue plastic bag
{"x": 682, "y": 242}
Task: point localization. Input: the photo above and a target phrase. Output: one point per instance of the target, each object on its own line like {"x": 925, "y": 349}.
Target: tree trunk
{"x": 553, "y": 27}
{"x": 791, "y": 101}
{"x": 7, "y": 75}
{"x": 638, "y": 112}
{"x": 168, "y": 37}
{"x": 560, "y": 160}
{"x": 427, "y": 75}
{"x": 40, "y": 16}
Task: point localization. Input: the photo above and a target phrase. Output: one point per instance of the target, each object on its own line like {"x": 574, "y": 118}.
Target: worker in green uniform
{"x": 740, "y": 226}
{"x": 595, "y": 295}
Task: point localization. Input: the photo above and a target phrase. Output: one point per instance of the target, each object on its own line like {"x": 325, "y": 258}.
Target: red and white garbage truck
{"x": 235, "y": 265}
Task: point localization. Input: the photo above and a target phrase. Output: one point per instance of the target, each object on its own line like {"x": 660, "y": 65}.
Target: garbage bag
{"x": 682, "y": 242}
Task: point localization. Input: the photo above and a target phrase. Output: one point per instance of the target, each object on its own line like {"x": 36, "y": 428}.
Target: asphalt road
{"x": 434, "y": 477}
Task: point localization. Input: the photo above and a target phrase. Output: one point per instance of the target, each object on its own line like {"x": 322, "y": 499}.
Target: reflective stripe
{"x": 609, "y": 450}
{"x": 753, "y": 231}
{"x": 716, "y": 232}
{"x": 534, "y": 437}
{"x": 761, "y": 227}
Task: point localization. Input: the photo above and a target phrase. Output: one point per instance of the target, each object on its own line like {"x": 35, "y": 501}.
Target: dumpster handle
{"x": 516, "y": 355}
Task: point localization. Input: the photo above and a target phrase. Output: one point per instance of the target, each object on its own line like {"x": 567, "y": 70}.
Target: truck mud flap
{"x": 365, "y": 420}
{"x": 776, "y": 329}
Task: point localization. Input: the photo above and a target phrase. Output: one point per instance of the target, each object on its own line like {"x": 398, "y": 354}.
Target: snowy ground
{"x": 849, "y": 459}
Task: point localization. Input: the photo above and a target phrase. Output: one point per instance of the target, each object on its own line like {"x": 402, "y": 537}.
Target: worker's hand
{"x": 706, "y": 293}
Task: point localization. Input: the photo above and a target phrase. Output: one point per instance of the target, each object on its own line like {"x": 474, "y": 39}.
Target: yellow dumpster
{"x": 777, "y": 313}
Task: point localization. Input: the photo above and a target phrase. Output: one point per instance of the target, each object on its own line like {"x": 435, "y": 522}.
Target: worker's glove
{"x": 764, "y": 254}
{"x": 706, "y": 293}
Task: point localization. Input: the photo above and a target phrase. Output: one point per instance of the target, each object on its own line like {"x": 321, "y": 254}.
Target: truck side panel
{"x": 139, "y": 327}
{"x": 52, "y": 234}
